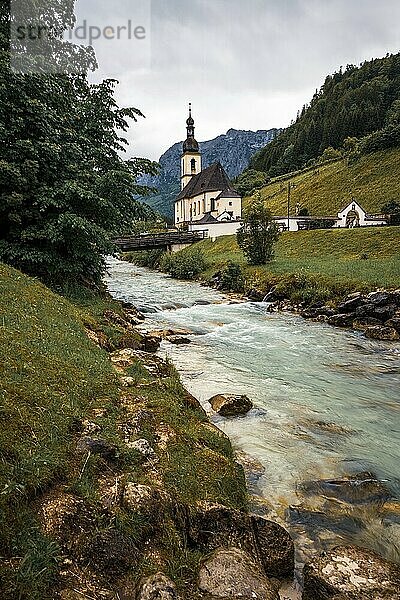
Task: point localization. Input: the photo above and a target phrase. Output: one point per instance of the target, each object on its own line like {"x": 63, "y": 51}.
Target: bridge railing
{"x": 159, "y": 240}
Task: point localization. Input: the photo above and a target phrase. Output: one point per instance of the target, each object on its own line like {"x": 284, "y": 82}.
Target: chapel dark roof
{"x": 211, "y": 179}
{"x": 231, "y": 193}
{"x": 207, "y": 219}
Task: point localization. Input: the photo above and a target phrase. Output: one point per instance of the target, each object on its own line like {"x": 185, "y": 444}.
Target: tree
{"x": 66, "y": 191}
{"x": 249, "y": 181}
{"x": 258, "y": 234}
{"x": 392, "y": 212}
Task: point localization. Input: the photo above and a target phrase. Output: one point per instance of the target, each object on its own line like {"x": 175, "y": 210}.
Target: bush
{"x": 329, "y": 154}
{"x": 250, "y": 181}
{"x": 145, "y": 258}
{"x": 392, "y": 212}
{"x": 186, "y": 264}
{"x": 232, "y": 279}
{"x": 258, "y": 234}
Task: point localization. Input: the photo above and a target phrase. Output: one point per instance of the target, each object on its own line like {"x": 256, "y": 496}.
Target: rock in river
{"x": 361, "y": 488}
{"x": 231, "y": 405}
{"x": 379, "y": 332}
{"x": 233, "y": 574}
{"x": 178, "y": 340}
{"x": 351, "y": 572}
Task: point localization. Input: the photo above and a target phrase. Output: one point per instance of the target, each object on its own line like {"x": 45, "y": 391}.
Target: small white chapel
{"x": 207, "y": 201}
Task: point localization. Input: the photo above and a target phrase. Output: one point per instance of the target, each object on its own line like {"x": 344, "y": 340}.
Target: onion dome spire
{"x": 190, "y": 145}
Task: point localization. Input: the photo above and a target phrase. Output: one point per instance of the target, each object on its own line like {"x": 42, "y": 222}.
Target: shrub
{"x": 258, "y": 234}
{"x": 232, "y": 278}
{"x": 145, "y": 258}
{"x": 186, "y": 264}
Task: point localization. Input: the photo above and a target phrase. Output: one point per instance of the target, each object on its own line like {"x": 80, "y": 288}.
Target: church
{"x": 207, "y": 201}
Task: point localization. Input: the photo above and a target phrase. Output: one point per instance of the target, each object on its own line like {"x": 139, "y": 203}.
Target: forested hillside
{"x": 353, "y": 103}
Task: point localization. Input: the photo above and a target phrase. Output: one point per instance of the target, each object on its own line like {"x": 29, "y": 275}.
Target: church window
{"x": 212, "y": 204}
{"x": 198, "y": 206}
{"x": 193, "y": 164}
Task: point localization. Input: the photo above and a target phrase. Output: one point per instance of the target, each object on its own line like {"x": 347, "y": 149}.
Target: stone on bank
{"x": 353, "y": 573}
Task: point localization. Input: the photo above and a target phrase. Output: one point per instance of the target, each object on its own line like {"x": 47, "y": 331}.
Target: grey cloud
{"x": 245, "y": 64}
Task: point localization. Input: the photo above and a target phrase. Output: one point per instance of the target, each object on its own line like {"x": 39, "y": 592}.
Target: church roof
{"x": 211, "y": 179}
{"x": 231, "y": 193}
{"x": 207, "y": 219}
{"x": 190, "y": 145}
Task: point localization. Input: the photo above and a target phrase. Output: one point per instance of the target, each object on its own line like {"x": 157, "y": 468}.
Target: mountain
{"x": 353, "y": 103}
{"x": 233, "y": 149}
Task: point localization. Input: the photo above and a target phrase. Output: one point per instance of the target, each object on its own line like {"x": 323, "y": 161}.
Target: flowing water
{"x": 327, "y": 406}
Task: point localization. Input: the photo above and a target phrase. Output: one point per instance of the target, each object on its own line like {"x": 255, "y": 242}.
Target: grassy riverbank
{"x": 65, "y": 523}
{"x": 308, "y": 265}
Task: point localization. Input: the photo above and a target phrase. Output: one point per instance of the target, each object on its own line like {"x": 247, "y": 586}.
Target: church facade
{"x": 208, "y": 200}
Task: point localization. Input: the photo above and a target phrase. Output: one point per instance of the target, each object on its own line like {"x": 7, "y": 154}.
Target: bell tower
{"x": 191, "y": 157}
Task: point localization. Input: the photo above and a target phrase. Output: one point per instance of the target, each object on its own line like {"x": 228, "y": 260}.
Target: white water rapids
{"x": 327, "y": 402}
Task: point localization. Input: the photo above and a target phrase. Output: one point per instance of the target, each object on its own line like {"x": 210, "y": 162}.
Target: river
{"x": 327, "y": 405}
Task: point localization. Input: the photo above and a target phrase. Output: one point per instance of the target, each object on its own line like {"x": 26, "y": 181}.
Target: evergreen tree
{"x": 356, "y": 102}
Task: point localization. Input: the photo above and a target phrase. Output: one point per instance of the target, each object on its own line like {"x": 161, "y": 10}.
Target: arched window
{"x": 198, "y": 207}
{"x": 193, "y": 164}
{"x": 212, "y": 204}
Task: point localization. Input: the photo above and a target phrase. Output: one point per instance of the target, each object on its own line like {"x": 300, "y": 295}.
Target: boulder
{"x": 381, "y": 332}
{"x": 145, "y": 449}
{"x": 231, "y": 405}
{"x": 394, "y": 323}
{"x": 353, "y": 572}
{"x": 384, "y": 313}
{"x": 150, "y": 344}
{"x": 157, "y": 587}
{"x": 361, "y": 488}
{"x": 253, "y": 468}
{"x": 380, "y": 298}
{"x": 309, "y": 313}
{"x": 178, "y": 340}
{"x": 130, "y": 339}
{"x": 231, "y": 573}
{"x": 351, "y": 303}
{"x": 97, "y": 446}
{"x": 211, "y": 526}
{"x": 127, "y": 381}
{"x": 396, "y": 297}
{"x": 342, "y": 320}
{"x": 275, "y": 547}
{"x": 362, "y": 323}
{"x": 143, "y": 500}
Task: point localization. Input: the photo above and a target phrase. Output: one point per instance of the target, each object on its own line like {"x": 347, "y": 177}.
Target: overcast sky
{"x": 246, "y": 64}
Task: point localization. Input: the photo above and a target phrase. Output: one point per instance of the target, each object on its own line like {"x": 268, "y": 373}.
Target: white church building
{"x": 207, "y": 201}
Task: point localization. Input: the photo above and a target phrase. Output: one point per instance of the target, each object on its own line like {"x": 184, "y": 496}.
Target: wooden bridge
{"x": 170, "y": 240}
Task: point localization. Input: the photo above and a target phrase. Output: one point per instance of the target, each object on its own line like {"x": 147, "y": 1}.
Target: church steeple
{"x": 190, "y": 145}
{"x": 191, "y": 157}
